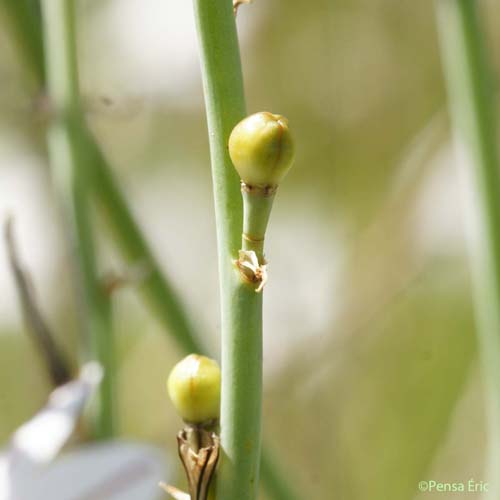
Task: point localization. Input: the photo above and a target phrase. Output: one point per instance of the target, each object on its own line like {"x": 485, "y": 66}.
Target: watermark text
{"x": 470, "y": 486}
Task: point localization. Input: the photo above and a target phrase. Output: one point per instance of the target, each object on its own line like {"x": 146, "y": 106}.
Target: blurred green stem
{"x": 238, "y": 474}
{"x": 26, "y": 32}
{"x": 66, "y": 142}
{"x": 472, "y": 103}
{"x": 156, "y": 288}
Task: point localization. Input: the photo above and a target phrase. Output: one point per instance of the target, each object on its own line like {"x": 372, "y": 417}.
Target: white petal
{"x": 41, "y": 438}
{"x": 111, "y": 471}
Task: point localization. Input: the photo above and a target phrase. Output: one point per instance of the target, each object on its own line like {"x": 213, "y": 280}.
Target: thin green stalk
{"x": 472, "y": 103}
{"x": 26, "y": 32}
{"x": 241, "y": 392}
{"x": 66, "y": 142}
{"x": 156, "y": 289}
{"x": 256, "y": 210}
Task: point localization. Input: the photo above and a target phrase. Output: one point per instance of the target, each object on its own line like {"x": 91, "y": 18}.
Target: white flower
{"x": 111, "y": 470}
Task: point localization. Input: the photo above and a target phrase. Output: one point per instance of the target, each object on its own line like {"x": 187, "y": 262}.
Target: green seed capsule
{"x": 194, "y": 388}
{"x": 261, "y": 148}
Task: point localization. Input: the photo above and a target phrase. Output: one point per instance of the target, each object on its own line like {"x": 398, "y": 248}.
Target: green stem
{"x": 472, "y": 103}
{"x": 155, "y": 288}
{"x": 241, "y": 396}
{"x": 66, "y": 142}
{"x": 241, "y": 307}
{"x": 257, "y": 205}
{"x": 26, "y": 32}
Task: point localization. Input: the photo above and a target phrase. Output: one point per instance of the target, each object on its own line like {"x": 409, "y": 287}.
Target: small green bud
{"x": 194, "y": 388}
{"x": 261, "y": 148}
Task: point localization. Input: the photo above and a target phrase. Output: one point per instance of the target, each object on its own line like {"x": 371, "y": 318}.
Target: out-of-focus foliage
{"x": 369, "y": 330}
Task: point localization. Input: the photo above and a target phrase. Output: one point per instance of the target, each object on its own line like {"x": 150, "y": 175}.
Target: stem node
{"x": 251, "y": 271}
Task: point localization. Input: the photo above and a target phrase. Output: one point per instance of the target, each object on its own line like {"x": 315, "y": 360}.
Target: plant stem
{"x": 241, "y": 392}
{"x": 472, "y": 103}
{"x": 241, "y": 307}
{"x": 156, "y": 289}
{"x": 26, "y": 31}
{"x": 66, "y": 142}
{"x": 257, "y": 206}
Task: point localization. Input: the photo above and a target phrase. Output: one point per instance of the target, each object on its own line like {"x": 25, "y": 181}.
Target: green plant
{"x": 194, "y": 388}
{"x": 262, "y": 151}
{"x": 156, "y": 288}
{"x": 471, "y": 97}
{"x": 241, "y": 306}
{"x": 71, "y": 180}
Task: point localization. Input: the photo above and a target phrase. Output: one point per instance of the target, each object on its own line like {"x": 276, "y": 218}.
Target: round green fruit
{"x": 194, "y": 388}
{"x": 262, "y": 149}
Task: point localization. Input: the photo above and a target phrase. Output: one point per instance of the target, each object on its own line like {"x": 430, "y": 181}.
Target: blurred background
{"x": 371, "y": 382}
